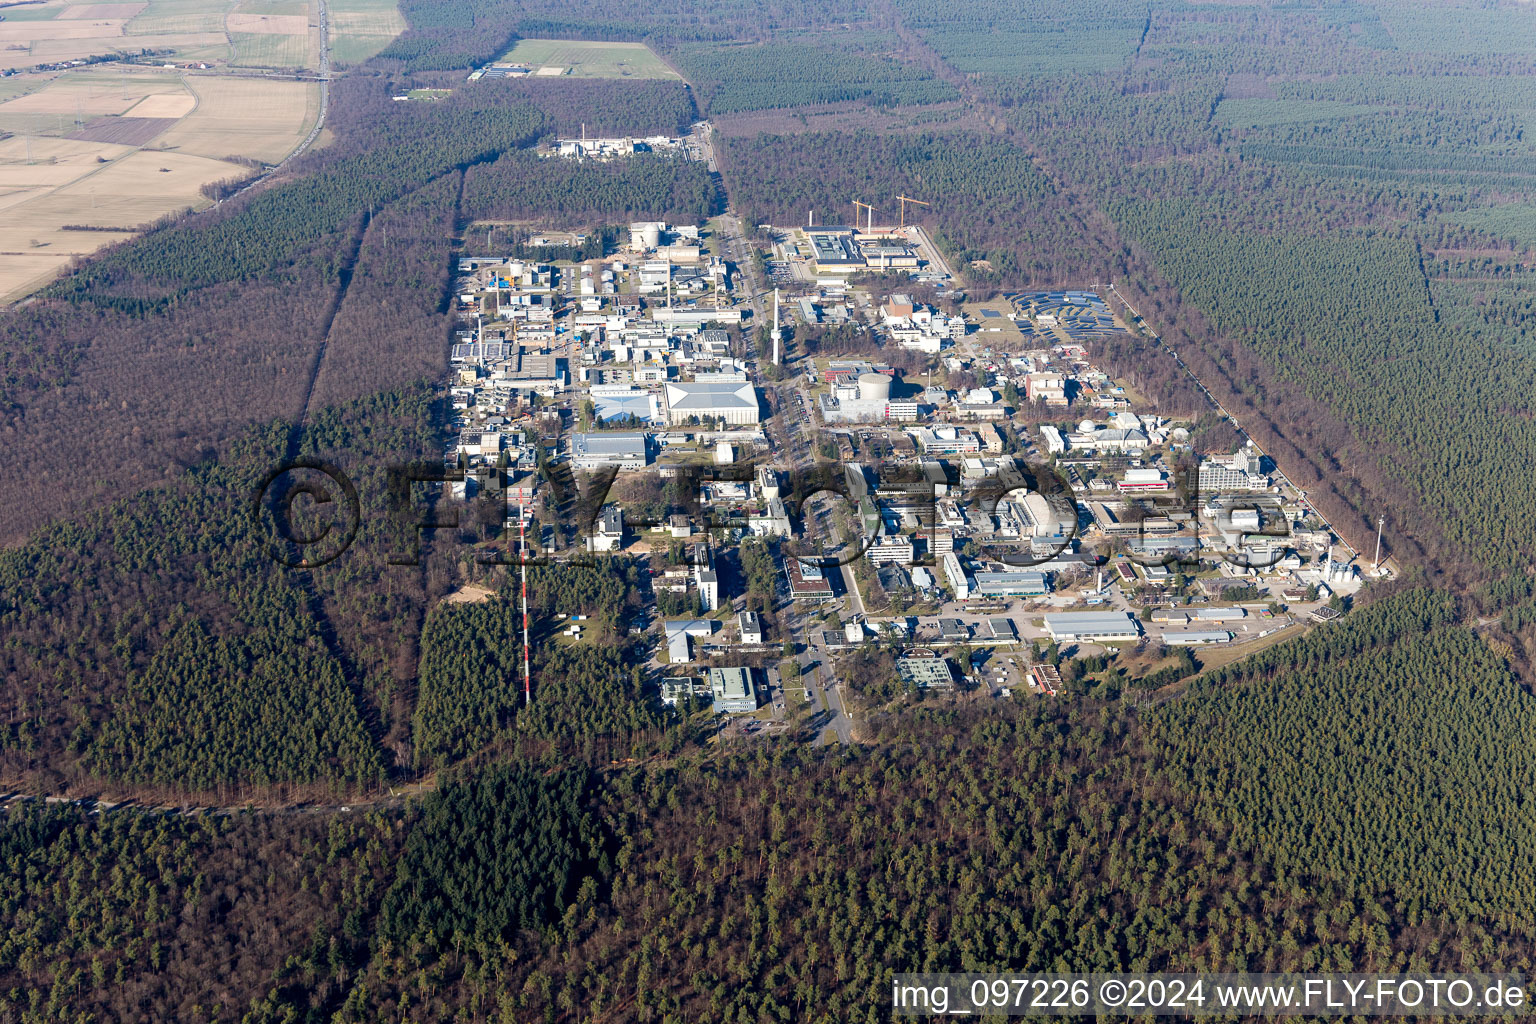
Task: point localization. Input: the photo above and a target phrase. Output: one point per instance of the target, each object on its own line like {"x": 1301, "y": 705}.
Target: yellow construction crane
{"x": 871, "y": 216}
{"x": 904, "y": 201}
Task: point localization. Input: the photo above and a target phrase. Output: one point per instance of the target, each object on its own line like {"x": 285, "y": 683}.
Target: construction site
{"x": 829, "y": 253}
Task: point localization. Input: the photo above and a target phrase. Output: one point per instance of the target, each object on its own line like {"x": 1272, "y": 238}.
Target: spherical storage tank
{"x": 874, "y": 386}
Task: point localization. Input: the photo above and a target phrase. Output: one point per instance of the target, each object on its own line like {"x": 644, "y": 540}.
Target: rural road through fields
{"x": 325, "y": 94}
{"x": 314, "y": 133}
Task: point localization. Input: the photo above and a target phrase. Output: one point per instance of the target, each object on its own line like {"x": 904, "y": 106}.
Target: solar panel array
{"x": 483, "y": 352}
{"x": 1079, "y": 315}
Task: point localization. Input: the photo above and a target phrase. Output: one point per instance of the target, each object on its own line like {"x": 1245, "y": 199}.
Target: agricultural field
{"x": 70, "y": 102}
{"x": 43, "y": 32}
{"x": 50, "y": 188}
{"x": 166, "y": 17}
{"x": 248, "y": 117}
{"x": 361, "y": 28}
{"x": 102, "y": 147}
{"x": 274, "y": 34}
{"x": 61, "y": 30}
{"x": 272, "y": 49}
{"x": 589, "y": 59}
{"x": 30, "y": 171}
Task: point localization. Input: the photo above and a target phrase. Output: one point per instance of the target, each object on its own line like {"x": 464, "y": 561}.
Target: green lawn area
{"x": 271, "y": 49}
{"x": 591, "y": 60}
{"x": 274, "y": 7}
{"x": 361, "y": 28}
{"x": 172, "y": 17}
{"x": 31, "y": 12}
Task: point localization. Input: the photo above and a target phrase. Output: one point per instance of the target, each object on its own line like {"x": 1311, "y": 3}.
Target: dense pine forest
{"x": 1325, "y": 210}
{"x": 1211, "y": 832}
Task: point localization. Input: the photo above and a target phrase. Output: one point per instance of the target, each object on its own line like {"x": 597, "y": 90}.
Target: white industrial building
{"x": 733, "y": 401}
{"x": 955, "y": 573}
{"x": 1196, "y": 638}
{"x": 1091, "y": 626}
{"x": 696, "y": 317}
{"x": 623, "y": 449}
{"x": 678, "y": 633}
{"x": 866, "y": 400}
{"x": 1108, "y": 440}
{"x": 944, "y": 439}
{"x": 646, "y": 234}
{"x": 1237, "y": 472}
{"x": 1011, "y": 584}
{"x": 1218, "y": 614}
{"x": 1137, "y": 481}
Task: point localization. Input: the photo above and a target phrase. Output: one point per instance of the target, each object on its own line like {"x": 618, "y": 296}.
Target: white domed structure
{"x": 645, "y": 234}
{"x": 874, "y": 387}
{"x": 1087, "y": 427}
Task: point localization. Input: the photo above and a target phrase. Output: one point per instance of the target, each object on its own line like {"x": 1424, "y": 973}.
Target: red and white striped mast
{"x": 522, "y": 534}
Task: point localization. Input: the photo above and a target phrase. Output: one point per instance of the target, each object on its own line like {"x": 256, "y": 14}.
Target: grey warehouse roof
{"x": 714, "y": 394}
{"x": 618, "y": 443}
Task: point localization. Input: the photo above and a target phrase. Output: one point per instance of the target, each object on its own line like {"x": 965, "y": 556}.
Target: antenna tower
{"x": 522, "y": 534}
{"x": 778, "y": 335}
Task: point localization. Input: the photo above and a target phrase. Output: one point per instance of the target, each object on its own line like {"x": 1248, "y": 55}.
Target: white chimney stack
{"x": 778, "y": 335}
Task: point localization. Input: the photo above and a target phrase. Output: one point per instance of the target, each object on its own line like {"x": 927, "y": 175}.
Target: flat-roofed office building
{"x": 733, "y": 691}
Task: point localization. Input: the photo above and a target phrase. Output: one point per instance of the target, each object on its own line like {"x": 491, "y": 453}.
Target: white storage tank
{"x": 874, "y": 387}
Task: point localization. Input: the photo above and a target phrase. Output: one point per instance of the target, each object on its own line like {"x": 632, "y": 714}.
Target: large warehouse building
{"x": 1091, "y": 626}
{"x": 733, "y": 401}
{"x": 1011, "y": 584}
{"x": 626, "y": 450}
